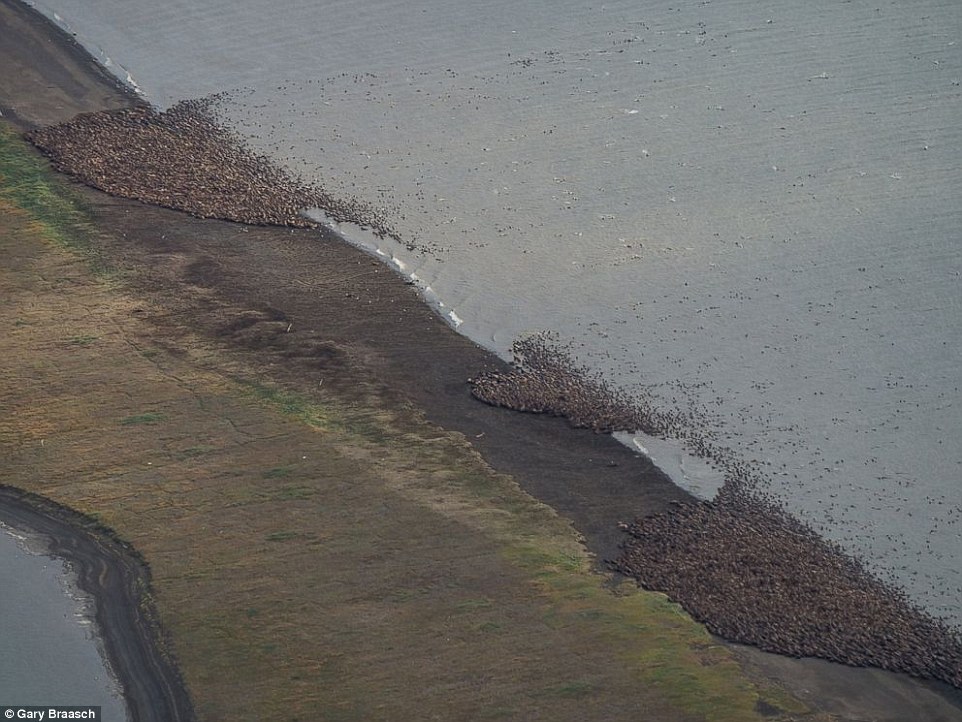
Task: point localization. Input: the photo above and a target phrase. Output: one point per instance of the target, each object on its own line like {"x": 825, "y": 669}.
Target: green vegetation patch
{"x": 194, "y": 451}
{"x": 148, "y": 418}
{"x": 278, "y": 472}
{"x": 26, "y": 180}
{"x": 289, "y": 493}
{"x": 282, "y": 536}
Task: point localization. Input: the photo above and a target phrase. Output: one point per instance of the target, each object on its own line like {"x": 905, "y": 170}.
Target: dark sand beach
{"x": 117, "y": 578}
{"x": 303, "y": 309}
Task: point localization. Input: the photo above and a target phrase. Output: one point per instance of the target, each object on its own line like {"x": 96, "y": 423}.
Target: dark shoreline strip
{"x": 117, "y": 578}
{"x": 739, "y": 564}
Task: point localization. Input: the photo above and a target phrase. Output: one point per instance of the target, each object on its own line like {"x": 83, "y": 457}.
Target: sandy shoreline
{"x": 589, "y": 478}
{"x": 115, "y": 576}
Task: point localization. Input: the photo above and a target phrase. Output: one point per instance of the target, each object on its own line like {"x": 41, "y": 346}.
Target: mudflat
{"x": 285, "y": 433}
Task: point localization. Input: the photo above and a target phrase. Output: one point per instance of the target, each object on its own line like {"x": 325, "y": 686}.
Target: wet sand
{"x": 251, "y": 287}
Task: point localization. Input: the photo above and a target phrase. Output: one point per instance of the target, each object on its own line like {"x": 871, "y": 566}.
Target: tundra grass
{"x": 313, "y": 558}
{"x": 651, "y": 635}
{"x": 26, "y": 181}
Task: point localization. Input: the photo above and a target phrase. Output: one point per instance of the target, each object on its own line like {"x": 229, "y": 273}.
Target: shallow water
{"x": 49, "y": 653}
{"x": 747, "y": 213}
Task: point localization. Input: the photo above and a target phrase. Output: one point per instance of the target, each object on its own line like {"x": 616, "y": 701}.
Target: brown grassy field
{"x": 313, "y": 556}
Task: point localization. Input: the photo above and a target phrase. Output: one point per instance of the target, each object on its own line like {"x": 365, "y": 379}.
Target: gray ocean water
{"x": 749, "y": 213}
{"x": 49, "y": 654}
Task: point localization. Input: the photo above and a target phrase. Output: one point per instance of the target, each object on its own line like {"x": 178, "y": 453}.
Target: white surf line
{"x": 695, "y": 475}
{"x": 98, "y": 53}
{"x": 369, "y": 242}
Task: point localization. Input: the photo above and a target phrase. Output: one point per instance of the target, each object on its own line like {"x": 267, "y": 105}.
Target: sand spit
{"x": 184, "y": 159}
{"x": 738, "y": 564}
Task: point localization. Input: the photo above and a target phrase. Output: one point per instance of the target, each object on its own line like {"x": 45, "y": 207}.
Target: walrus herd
{"x": 751, "y": 575}
{"x": 739, "y": 564}
{"x": 184, "y": 159}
